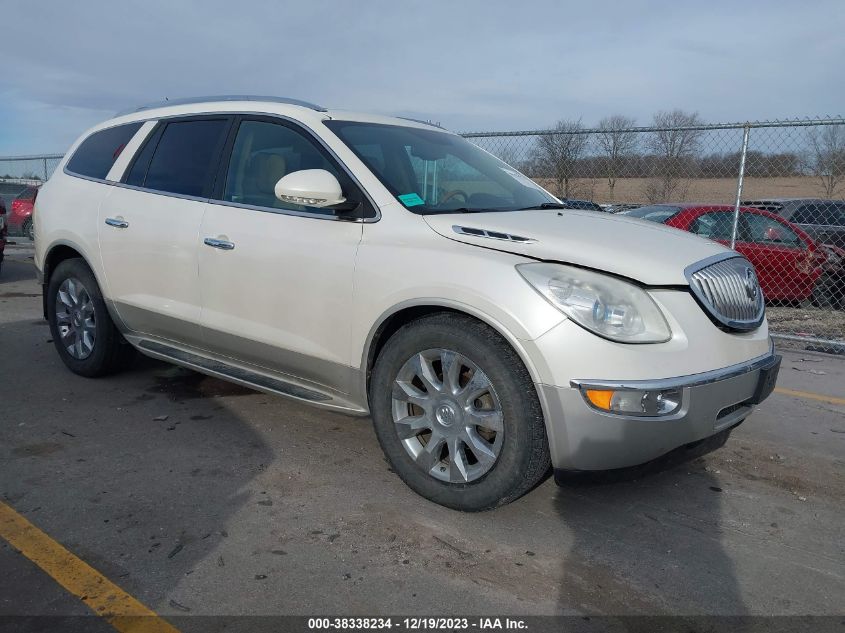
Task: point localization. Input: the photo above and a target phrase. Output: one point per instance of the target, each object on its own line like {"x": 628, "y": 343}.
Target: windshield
{"x": 654, "y": 213}
{"x": 438, "y": 172}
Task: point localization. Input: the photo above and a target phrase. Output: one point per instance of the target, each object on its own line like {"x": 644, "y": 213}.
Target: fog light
{"x": 635, "y": 402}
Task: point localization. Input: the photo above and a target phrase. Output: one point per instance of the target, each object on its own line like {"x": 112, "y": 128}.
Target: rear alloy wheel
{"x": 29, "y": 230}
{"x": 75, "y": 318}
{"x": 457, "y": 414}
{"x": 84, "y": 335}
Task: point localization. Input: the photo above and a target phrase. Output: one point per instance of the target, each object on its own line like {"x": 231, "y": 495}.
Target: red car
{"x": 3, "y": 229}
{"x": 787, "y": 260}
{"x": 20, "y": 217}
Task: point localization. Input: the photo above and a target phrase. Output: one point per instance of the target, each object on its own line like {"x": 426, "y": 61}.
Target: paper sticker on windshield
{"x": 411, "y": 200}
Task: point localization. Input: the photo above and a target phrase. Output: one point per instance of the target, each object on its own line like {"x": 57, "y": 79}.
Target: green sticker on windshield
{"x": 411, "y": 200}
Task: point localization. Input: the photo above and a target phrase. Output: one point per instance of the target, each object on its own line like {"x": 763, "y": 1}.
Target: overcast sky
{"x": 469, "y": 65}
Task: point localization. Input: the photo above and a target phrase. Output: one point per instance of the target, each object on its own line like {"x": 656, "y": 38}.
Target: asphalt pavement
{"x": 198, "y": 497}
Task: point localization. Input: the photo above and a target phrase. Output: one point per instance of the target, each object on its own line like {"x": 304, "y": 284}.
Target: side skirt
{"x": 289, "y": 388}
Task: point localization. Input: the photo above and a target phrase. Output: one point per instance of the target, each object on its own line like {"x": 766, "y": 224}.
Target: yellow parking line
{"x": 99, "y": 594}
{"x": 808, "y": 395}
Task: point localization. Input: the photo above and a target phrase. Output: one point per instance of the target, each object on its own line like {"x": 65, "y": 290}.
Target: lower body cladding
{"x": 584, "y": 437}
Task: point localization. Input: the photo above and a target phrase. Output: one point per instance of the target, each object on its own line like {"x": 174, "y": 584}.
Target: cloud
{"x": 471, "y": 65}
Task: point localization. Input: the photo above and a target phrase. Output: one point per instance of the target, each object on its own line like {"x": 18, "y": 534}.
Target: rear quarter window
{"x": 97, "y": 153}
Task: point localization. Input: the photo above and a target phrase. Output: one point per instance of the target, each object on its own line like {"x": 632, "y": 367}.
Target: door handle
{"x": 118, "y": 223}
{"x": 221, "y": 244}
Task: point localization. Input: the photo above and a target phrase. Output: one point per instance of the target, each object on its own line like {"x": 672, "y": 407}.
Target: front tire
{"x": 84, "y": 335}
{"x": 457, "y": 413}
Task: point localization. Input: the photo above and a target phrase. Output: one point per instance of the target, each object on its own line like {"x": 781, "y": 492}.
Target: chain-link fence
{"x": 772, "y": 190}
{"x": 29, "y": 170}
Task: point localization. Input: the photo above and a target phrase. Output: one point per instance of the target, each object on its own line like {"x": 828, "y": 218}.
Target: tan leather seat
{"x": 263, "y": 172}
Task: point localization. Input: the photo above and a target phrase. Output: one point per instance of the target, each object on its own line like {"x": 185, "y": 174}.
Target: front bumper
{"x": 584, "y": 438}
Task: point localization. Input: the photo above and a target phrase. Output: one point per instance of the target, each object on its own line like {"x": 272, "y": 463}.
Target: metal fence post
{"x": 743, "y": 152}
{"x": 45, "y": 169}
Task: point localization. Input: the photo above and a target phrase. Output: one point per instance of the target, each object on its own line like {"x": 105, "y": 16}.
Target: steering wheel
{"x": 451, "y": 194}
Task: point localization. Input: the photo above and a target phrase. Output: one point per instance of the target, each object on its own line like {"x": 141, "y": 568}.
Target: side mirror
{"x": 310, "y": 187}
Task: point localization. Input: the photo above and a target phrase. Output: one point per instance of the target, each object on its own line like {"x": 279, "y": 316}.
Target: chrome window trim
{"x": 296, "y": 122}
{"x": 679, "y": 382}
{"x": 740, "y": 326}
{"x": 293, "y": 212}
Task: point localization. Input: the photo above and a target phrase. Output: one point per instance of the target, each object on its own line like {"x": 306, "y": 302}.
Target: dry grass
{"x": 717, "y": 190}
{"x": 807, "y": 321}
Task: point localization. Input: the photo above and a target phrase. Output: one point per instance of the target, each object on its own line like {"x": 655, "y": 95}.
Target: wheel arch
{"x": 58, "y": 252}
{"x": 408, "y": 311}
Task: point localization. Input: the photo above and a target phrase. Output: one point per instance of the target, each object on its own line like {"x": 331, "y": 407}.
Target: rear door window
{"x": 96, "y": 154}
{"x": 186, "y": 157}
{"x": 768, "y": 231}
{"x": 138, "y": 169}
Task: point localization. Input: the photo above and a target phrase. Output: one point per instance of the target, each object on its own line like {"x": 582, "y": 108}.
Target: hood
{"x": 650, "y": 253}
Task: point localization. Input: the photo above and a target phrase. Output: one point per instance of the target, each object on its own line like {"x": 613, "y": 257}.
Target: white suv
{"x": 382, "y": 266}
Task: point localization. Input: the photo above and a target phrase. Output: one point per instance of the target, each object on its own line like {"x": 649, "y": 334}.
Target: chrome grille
{"x": 727, "y": 287}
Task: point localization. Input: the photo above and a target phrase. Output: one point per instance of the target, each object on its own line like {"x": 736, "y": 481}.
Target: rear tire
{"x": 87, "y": 340}
{"x": 28, "y": 230}
{"x": 486, "y": 412}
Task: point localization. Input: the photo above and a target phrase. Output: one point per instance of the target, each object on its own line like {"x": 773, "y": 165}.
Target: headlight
{"x": 608, "y": 306}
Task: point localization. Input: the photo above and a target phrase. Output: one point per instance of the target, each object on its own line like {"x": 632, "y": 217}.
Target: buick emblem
{"x": 750, "y": 283}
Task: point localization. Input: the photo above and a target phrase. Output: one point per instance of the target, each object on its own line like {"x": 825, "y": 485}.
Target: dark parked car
{"x": 830, "y": 288}
{"x": 823, "y": 220}
{"x": 588, "y": 205}
{"x": 787, "y": 260}
{"x": 622, "y": 206}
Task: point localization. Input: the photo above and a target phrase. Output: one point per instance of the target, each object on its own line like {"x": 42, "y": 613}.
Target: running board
{"x": 244, "y": 376}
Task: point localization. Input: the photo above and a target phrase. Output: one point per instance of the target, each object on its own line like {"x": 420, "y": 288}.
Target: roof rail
{"x": 189, "y": 100}
{"x": 431, "y": 123}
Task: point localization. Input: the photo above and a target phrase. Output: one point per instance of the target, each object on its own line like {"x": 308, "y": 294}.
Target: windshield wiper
{"x": 546, "y": 205}
{"x": 458, "y": 210}
{"x": 470, "y": 210}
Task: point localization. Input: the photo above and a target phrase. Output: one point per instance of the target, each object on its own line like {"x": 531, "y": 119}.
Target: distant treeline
{"x": 757, "y": 164}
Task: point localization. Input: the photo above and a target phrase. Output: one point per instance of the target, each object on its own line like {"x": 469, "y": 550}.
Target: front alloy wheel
{"x": 447, "y": 415}
{"x": 457, "y": 414}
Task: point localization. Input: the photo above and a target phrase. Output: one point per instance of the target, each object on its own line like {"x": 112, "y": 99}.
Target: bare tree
{"x": 507, "y": 154}
{"x": 618, "y": 143}
{"x": 558, "y": 152}
{"x": 827, "y": 156}
{"x": 675, "y": 143}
